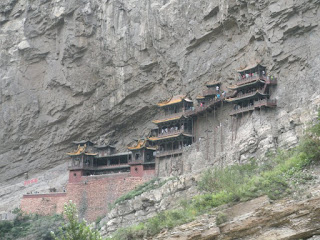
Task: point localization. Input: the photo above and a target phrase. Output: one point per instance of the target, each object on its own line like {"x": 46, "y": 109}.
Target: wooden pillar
{"x": 143, "y": 154}
{"x": 236, "y": 127}
{"x": 214, "y": 141}
{"x": 232, "y": 129}
{"x": 192, "y": 129}
{"x": 157, "y": 162}
{"x": 221, "y": 144}
{"x": 207, "y": 136}
{"x": 214, "y": 132}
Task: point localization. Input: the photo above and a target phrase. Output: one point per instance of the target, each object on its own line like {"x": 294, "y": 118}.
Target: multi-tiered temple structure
{"x": 252, "y": 90}
{"x": 175, "y": 129}
{"x": 98, "y": 174}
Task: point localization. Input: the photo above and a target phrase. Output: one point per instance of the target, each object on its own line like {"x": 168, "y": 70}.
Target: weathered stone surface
{"x": 256, "y": 219}
{"x": 146, "y": 206}
{"x": 95, "y": 69}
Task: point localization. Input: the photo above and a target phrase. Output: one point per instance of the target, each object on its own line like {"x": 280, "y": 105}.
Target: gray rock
{"x": 95, "y": 69}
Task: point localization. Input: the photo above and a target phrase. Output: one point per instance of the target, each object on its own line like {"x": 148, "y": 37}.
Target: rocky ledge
{"x": 258, "y": 219}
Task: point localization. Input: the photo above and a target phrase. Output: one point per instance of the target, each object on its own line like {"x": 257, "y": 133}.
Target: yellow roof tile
{"x": 81, "y": 150}
{"x": 167, "y": 119}
{"x": 141, "y": 143}
{"x": 173, "y": 100}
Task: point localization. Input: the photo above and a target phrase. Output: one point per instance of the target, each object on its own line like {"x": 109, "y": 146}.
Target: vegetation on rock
{"x": 75, "y": 229}
{"x": 34, "y": 225}
{"x": 147, "y": 186}
{"x": 277, "y": 177}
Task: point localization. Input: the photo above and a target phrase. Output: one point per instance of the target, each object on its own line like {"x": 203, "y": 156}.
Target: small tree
{"x": 75, "y": 229}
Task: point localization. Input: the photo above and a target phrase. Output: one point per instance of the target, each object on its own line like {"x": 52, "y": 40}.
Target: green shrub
{"x": 147, "y": 186}
{"x": 34, "y": 225}
{"x": 75, "y": 229}
{"x": 221, "y": 218}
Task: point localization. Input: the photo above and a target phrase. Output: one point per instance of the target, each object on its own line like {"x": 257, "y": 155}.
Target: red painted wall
{"x": 92, "y": 194}
{"x": 136, "y": 170}
{"x": 45, "y": 204}
{"x": 75, "y": 175}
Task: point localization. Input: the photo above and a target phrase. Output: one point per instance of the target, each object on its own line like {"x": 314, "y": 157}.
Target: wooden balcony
{"x": 257, "y": 104}
{"x": 173, "y": 132}
{"x": 251, "y": 79}
{"x": 242, "y": 110}
{"x": 140, "y": 162}
{"x": 239, "y": 97}
{"x": 105, "y": 167}
{"x": 169, "y": 153}
{"x": 208, "y": 106}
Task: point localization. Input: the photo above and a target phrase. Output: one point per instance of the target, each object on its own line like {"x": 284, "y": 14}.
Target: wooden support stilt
{"x": 221, "y": 139}
{"x": 231, "y": 129}
{"x": 260, "y": 114}
{"x": 236, "y": 131}
{"x": 214, "y": 132}
{"x": 207, "y": 136}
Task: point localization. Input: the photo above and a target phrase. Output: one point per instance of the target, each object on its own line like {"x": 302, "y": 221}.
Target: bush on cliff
{"x": 147, "y": 186}
{"x": 75, "y": 229}
{"x": 32, "y": 225}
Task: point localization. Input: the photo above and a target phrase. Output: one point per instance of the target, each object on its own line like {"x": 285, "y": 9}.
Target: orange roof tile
{"x": 200, "y": 97}
{"x": 141, "y": 143}
{"x": 168, "y": 136}
{"x": 173, "y": 100}
{"x": 81, "y": 150}
{"x": 213, "y": 83}
{"x": 167, "y": 119}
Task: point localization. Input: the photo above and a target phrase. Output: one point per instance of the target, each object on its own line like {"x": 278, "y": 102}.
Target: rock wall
{"x": 95, "y": 69}
{"x": 148, "y": 204}
{"x": 256, "y": 219}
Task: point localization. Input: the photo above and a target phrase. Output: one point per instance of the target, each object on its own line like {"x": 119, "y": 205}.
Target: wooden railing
{"x": 168, "y": 152}
{"x": 243, "y": 109}
{"x": 244, "y": 95}
{"x": 267, "y": 79}
{"x": 98, "y": 167}
{"x": 257, "y": 104}
{"x": 208, "y": 104}
{"x": 251, "y": 79}
{"x": 173, "y": 132}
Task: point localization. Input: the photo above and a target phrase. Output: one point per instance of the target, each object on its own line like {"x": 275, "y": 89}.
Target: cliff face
{"x": 95, "y": 69}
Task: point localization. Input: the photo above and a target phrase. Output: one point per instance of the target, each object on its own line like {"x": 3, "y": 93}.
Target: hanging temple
{"x": 175, "y": 129}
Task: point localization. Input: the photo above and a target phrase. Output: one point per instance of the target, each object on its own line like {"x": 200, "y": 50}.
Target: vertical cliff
{"x": 95, "y": 69}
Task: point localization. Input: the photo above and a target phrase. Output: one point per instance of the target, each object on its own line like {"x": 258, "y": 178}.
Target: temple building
{"x": 81, "y": 160}
{"x": 210, "y": 94}
{"x": 143, "y": 158}
{"x": 175, "y": 129}
{"x": 212, "y": 98}
{"x": 252, "y": 90}
{"x": 109, "y": 161}
{"x": 88, "y": 160}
